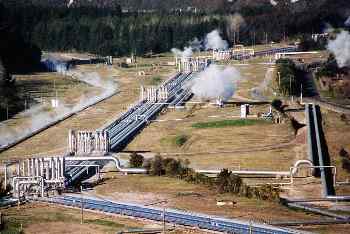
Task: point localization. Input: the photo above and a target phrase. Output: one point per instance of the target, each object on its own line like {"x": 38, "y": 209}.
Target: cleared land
{"x": 43, "y": 218}
{"x": 337, "y": 131}
{"x": 54, "y": 140}
{"x": 185, "y": 196}
{"x": 262, "y": 145}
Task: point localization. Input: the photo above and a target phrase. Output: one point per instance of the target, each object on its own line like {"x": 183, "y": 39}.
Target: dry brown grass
{"x": 54, "y": 140}
{"x": 182, "y": 195}
{"x": 337, "y": 136}
{"x": 44, "y": 218}
{"x": 263, "y": 146}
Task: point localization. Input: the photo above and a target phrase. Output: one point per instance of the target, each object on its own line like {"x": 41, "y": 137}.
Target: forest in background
{"x": 102, "y": 27}
{"x": 122, "y": 27}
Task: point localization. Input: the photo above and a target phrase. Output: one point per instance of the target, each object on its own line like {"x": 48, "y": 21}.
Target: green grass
{"x": 178, "y": 140}
{"x": 155, "y": 80}
{"x": 229, "y": 123}
{"x": 104, "y": 223}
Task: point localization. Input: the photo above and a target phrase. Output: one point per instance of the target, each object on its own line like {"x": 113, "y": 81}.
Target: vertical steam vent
{"x": 87, "y": 142}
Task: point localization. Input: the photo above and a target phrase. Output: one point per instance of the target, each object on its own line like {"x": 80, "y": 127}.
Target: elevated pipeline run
{"x": 126, "y": 126}
{"x": 178, "y": 217}
{"x": 317, "y": 148}
{"x": 53, "y": 123}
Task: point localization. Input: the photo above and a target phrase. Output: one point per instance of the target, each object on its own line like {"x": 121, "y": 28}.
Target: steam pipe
{"x": 290, "y": 173}
{"x": 109, "y": 158}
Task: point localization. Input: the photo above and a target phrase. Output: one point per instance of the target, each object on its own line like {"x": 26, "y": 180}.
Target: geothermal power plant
{"x": 94, "y": 148}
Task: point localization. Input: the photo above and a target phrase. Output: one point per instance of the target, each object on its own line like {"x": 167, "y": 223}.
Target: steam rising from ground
{"x": 258, "y": 92}
{"x": 340, "y": 47}
{"x": 70, "y": 3}
{"x": 186, "y": 53}
{"x": 39, "y": 117}
{"x": 275, "y": 2}
{"x": 215, "y": 82}
{"x": 347, "y": 22}
{"x": 214, "y": 41}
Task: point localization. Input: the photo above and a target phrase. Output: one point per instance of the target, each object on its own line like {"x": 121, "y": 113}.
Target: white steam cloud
{"x": 340, "y": 47}
{"x": 347, "y": 22}
{"x": 215, "y": 82}
{"x": 258, "y": 92}
{"x": 187, "y": 52}
{"x": 274, "y": 3}
{"x": 38, "y": 117}
{"x": 183, "y": 54}
{"x": 196, "y": 44}
{"x": 214, "y": 41}
{"x": 70, "y": 3}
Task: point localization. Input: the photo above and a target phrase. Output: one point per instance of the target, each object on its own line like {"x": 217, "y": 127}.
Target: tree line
{"x": 107, "y": 30}
{"x": 225, "y": 182}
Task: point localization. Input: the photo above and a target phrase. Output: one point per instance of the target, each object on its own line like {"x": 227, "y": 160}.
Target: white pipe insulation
{"x": 240, "y": 172}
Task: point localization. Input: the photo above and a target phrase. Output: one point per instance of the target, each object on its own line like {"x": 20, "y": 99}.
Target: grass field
{"x": 261, "y": 145}
{"x": 181, "y": 195}
{"x": 337, "y": 133}
{"x": 43, "y": 218}
{"x": 229, "y": 123}
{"x": 185, "y": 196}
{"x": 40, "y": 218}
{"x": 53, "y": 141}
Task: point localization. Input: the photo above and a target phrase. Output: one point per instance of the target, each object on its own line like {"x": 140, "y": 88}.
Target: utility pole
{"x": 250, "y": 227}
{"x": 301, "y": 93}
{"x": 254, "y": 39}
{"x": 163, "y": 215}
{"x": 163, "y": 219}
{"x": 54, "y": 83}
{"x": 234, "y": 37}
{"x": 5, "y": 182}
{"x": 82, "y": 205}
{"x": 7, "y": 111}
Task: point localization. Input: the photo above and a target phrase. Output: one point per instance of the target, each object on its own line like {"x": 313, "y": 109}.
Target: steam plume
{"x": 214, "y": 41}
{"x": 340, "y": 47}
{"x": 39, "y": 117}
{"x": 258, "y": 92}
{"x": 273, "y": 2}
{"x": 186, "y": 53}
{"x": 347, "y": 22}
{"x": 70, "y": 3}
{"x": 215, "y": 82}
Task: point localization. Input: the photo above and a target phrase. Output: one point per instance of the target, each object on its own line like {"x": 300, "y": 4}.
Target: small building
{"x": 131, "y": 60}
{"x": 244, "y": 111}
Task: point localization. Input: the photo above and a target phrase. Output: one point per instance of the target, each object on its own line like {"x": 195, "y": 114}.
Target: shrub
{"x": 277, "y": 104}
{"x": 343, "y": 153}
{"x": 156, "y": 166}
{"x": 156, "y": 80}
{"x": 180, "y": 140}
{"x": 226, "y": 181}
{"x": 136, "y": 160}
{"x": 346, "y": 164}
